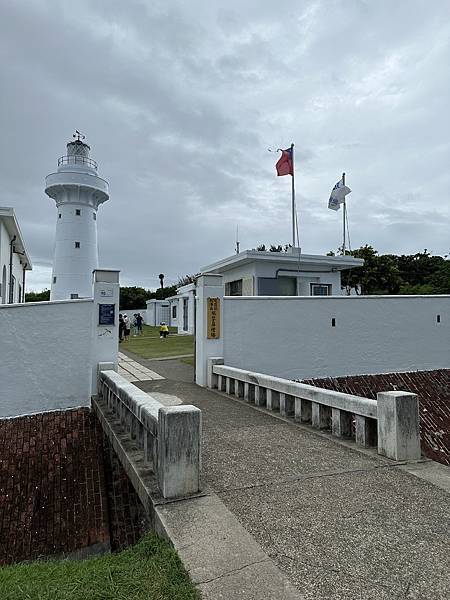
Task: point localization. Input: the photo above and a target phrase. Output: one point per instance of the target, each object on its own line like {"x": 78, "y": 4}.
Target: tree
{"x": 133, "y": 297}
{"x": 378, "y": 275}
{"x": 187, "y": 279}
{"x": 37, "y": 296}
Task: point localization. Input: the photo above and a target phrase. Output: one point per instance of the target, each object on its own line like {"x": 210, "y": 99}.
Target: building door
{"x": 185, "y": 313}
{"x": 165, "y": 314}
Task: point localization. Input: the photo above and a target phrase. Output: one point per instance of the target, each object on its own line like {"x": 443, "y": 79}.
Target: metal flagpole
{"x": 293, "y": 198}
{"x": 344, "y": 216}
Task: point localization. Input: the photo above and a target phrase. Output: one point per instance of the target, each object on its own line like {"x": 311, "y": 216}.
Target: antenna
{"x": 78, "y": 135}
{"x": 237, "y": 239}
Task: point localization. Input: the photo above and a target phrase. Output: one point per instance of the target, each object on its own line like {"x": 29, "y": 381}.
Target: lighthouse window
{"x": 54, "y": 279}
{"x": 95, "y": 216}
{"x": 77, "y": 244}
{"x": 77, "y": 212}
{"x": 59, "y": 215}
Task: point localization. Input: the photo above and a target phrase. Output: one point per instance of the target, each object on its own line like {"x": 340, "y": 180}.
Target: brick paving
{"x": 62, "y": 489}
{"x": 433, "y": 389}
{"x": 52, "y": 487}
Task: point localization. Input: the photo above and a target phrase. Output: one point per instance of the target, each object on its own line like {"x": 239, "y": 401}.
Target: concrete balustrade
{"x": 390, "y": 423}
{"x": 169, "y": 436}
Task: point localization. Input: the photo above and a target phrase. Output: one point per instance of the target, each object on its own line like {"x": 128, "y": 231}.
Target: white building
{"x": 14, "y": 259}
{"x": 255, "y": 273}
{"x": 78, "y": 192}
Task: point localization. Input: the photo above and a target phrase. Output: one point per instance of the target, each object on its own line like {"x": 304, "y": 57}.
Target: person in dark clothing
{"x": 139, "y": 321}
{"x": 121, "y": 328}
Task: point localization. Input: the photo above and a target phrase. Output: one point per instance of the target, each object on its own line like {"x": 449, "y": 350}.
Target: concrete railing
{"x": 169, "y": 436}
{"x": 391, "y": 422}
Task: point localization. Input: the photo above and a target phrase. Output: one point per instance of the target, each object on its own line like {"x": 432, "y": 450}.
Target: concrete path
{"x": 339, "y": 523}
{"x": 134, "y": 371}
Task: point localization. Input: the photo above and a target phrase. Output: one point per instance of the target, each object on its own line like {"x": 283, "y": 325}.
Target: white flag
{"x": 338, "y": 194}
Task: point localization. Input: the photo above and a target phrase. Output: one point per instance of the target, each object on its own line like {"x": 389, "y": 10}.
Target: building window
{"x": 59, "y": 215}
{"x": 95, "y": 216}
{"x": 77, "y": 244}
{"x": 54, "y": 279}
{"x": 233, "y": 288}
{"x": 174, "y": 312}
{"x": 277, "y": 286}
{"x": 78, "y": 212}
{"x": 73, "y": 296}
{"x": 320, "y": 289}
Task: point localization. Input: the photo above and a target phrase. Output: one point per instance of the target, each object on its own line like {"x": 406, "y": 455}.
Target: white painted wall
{"x": 293, "y": 337}
{"x": 17, "y": 270}
{"x": 45, "y": 350}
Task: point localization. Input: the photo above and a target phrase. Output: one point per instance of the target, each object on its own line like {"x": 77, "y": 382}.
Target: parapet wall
{"x": 432, "y": 389}
{"x": 45, "y": 350}
{"x": 311, "y": 337}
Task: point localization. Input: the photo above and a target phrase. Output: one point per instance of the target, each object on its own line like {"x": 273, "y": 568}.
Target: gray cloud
{"x": 180, "y": 102}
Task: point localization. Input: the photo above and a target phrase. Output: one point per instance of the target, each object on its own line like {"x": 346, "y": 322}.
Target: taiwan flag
{"x": 285, "y": 165}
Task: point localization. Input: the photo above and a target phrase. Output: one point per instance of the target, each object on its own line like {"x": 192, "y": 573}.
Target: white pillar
{"x": 208, "y": 286}
{"x": 398, "y": 425}
{"x": 105, "y": 336}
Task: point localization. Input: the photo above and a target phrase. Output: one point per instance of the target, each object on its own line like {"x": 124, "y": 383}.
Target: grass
{"x": 148, "y": 345}
{"x": 150, "y": 570}
{"x": 189, "y": 360}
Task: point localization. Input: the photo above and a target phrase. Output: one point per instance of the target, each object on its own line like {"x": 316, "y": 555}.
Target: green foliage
{"x": 419, "y": 273}
{"x": 133, "y": 297}
{"x": 150, "y": 569}
{"x": 136, "y": 297}
{"x": 188, "y": 279}
{"x": 37, "y": 296}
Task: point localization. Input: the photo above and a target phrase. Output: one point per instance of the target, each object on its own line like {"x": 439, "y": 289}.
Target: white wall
{"x": 293, "y": 337}
{"x": 45, "y": 350}
{"x": 5, "y": 240}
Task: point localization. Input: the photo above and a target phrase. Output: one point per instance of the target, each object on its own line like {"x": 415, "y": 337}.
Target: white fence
{"x": 391, "y": 422}
{"x": 169, "y": 436}
{"x": 307, "y": 337}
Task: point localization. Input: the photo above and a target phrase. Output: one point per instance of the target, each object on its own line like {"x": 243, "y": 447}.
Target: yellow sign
{"x": 213, "y": 321}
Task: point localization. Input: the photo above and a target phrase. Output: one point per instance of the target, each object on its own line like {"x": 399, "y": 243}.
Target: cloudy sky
{"x": 180, "y": 101}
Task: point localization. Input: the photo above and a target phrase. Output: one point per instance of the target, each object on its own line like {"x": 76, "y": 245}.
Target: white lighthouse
{"x": 78, "y": 192}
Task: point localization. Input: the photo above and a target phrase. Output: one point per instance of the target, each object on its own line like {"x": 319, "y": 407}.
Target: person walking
{"x": 127, "y": 325}
{"x": 121, "y": 328}
{"x": 135, "y": 327}
{"x": 163, "y": 331}
{"x": 139, "y": 321}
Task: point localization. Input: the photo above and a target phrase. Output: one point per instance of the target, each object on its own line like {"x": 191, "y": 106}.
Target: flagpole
{"x": 343, "y": 217}
{"x": 293, "y": 198}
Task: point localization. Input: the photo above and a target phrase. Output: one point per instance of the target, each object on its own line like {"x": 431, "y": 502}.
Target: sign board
{"x": 213, "y": 318}
{"x": 106, "y": 314}
{"x": 106, "y": 293}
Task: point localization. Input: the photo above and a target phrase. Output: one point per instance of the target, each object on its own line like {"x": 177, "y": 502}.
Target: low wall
{"x": 310, "y": 337}
{"x": 45, "y": 350}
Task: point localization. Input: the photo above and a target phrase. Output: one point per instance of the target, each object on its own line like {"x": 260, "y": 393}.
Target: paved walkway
{"x": 341, "y": 524}
{"x": 134, "y": 371}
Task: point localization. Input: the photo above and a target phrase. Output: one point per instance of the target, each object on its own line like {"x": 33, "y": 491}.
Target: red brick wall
{"x": 433, "y": 389}
{"x": 61, "y": 488}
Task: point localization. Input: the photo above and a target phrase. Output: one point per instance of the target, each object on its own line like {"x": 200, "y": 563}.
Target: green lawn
{"x": 149, "y": 345}
{"x": 150, "y": 570}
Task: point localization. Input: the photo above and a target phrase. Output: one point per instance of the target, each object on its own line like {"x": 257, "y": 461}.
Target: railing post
{"x": 365, "y": 431}
{"x": 320, "y": 415}
{"x": 179, "y": 436}
{"x": 341, "y": 423}
{"x": 212, "y": 381}
{"x": 398, "y": 425}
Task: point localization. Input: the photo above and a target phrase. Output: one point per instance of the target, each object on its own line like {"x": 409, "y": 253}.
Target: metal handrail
{"x": 74, "y": 159}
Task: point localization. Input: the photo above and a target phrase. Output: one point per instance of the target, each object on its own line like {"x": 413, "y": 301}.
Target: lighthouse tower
{"x": 78, "y": 192}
